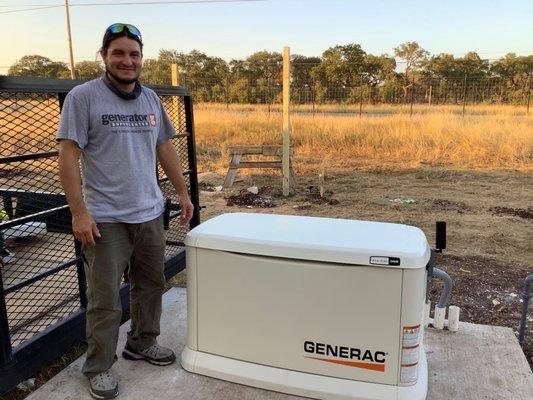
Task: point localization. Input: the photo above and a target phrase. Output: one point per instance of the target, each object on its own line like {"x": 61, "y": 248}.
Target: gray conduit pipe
{"x": 525, "y": 305}
{"x": 439, "y": 273}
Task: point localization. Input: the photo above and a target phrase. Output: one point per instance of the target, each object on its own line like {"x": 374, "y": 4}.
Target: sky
{"x": 237, "y": 29}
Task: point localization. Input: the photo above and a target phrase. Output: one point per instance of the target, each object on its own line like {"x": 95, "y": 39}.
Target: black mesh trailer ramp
{"x": 42, "y": 282}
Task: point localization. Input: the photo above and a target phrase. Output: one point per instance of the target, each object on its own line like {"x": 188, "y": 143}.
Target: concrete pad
{"x": 478, "y": 362}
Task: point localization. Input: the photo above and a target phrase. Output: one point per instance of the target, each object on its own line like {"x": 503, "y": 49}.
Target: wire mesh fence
{"x": 363, "y": 91}
{"x": 42, "y": 279}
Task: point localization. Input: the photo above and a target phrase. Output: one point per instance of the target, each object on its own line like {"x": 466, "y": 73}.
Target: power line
{"x": 25, "y": 5}
{"x": 129, "y": 3}
{"x": 31, "y": 9}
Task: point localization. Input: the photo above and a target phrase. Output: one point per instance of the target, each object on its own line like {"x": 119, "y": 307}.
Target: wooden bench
{"x": 237, "y": 153}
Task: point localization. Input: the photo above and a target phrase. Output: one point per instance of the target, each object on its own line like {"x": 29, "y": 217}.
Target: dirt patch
{"x": 488, "y": 292}
{"x": 442, "y": 175}
{"x": 313, "y": 195}
{"x": 248, "y": 199}
{"x": 517, "y": 212}
{"x": 269, "y": 196}
{"x": 449, "y": 205}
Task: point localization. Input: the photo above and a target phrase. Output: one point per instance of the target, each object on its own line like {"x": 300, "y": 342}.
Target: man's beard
{"x": 124, "y": 81}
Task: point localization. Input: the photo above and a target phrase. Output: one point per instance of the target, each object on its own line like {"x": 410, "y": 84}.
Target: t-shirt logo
{"x": 151, "y": 119}
{"x": 129, "y": 120}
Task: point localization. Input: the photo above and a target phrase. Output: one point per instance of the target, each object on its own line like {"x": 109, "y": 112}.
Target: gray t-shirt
{"x": 118, "y": 139}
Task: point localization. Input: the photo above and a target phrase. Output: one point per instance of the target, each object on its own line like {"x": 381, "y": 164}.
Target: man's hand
{"x": 84, "y": 228}
{"x": 187, "y": 209}
{"x": 83, "y": 225}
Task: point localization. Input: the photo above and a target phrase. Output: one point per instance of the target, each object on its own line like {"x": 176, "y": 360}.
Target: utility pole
{"x": 69, "y": 35}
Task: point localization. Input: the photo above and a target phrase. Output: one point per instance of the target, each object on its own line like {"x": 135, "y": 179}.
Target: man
{"x": 120, "y": 129}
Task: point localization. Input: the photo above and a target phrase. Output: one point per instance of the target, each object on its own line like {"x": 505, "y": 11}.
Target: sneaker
{"x": 154, "y": 354}
{"x": 104, "y": 385}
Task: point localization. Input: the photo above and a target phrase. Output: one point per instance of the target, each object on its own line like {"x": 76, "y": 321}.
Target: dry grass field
{"x": 383, "y": 138}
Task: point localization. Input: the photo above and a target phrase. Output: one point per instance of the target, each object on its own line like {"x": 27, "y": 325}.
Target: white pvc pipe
{"x": 440, "y": 313}
{"x": 453, "y": 318}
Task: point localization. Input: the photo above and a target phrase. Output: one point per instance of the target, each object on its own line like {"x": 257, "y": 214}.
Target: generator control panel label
{"x": 382, "y": 260}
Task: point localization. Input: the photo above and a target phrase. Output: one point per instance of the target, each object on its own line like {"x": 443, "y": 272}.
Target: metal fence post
{"x": 464, "y": 95}
{"x": 361, "y": 97}
{"x": 313, "y": 95}
{"x": 191, "y": 152}
{"x": 6, "y": 352}
{"x": 412, "y": 95}
{"x": 528, "y": 93}
{"x": 268, "y": 95}
{"x": 227, "y": 92}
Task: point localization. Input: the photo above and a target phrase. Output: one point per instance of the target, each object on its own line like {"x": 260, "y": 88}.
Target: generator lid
{"x": 316, "y": 239}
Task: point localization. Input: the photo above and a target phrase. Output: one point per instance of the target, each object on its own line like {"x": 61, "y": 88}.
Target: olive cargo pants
{"x": 141, "y": 247}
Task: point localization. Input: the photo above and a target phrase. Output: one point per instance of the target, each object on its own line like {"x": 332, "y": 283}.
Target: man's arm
{"x": 169, "y": 159}
{"x": 83, "y": 225}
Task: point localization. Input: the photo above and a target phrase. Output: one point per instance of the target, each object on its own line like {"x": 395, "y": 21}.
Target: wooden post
{"x": 174, "y": 74}
{"x": 430, "y": 90}
{"x": 175, "y": 102}
{"x": 286, "y": 120}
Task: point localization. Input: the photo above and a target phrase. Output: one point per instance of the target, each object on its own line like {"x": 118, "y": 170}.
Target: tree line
{"x": 343, "y": 73}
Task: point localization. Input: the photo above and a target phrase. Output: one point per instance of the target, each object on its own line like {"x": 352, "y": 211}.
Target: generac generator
{"x": 317, "y": 307}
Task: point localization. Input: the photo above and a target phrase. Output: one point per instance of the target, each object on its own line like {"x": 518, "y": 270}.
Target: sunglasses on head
{"x": 118, "y": 28}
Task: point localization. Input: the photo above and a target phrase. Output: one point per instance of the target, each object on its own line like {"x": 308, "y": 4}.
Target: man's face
{"x": 123, "y": 59}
